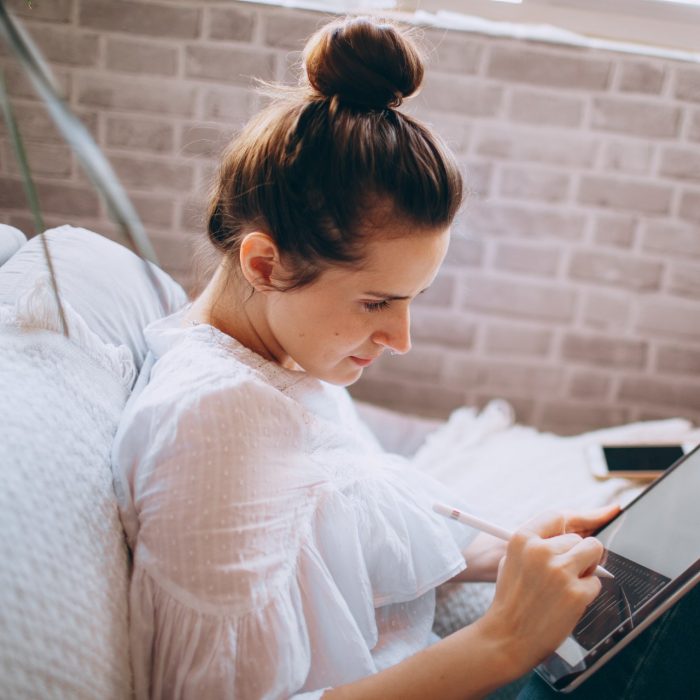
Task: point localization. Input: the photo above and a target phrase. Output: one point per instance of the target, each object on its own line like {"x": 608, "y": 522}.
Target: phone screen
{"x": 646, "y": 458}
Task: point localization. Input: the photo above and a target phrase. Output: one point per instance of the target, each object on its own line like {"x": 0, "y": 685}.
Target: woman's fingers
{"x": 553, "y": 523}
{"x": 588, "y": 588}
{"x": 547, "y": 524}
{"x": 583, "y": 557}
{"x": 591, "y": 520}
{"x": 563, "y": 543}
{"x": 579, "y": 555}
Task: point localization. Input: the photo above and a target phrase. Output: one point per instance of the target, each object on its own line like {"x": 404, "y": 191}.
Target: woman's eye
{"x": 375, "y": 305}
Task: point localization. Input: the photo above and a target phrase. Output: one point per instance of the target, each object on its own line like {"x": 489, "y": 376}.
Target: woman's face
{"x": 336, "y": 326}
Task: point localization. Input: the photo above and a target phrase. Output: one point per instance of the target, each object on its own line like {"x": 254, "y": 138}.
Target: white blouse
{"x": 278, "y": 551}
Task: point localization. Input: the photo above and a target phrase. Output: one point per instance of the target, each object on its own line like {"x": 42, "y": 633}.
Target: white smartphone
{"x": 633, "y": 461}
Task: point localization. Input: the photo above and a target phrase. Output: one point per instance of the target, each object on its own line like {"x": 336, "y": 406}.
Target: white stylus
{"x": 491, "y": 529}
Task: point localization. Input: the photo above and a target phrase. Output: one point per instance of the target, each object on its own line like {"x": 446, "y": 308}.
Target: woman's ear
{"x": 260, "y": 261}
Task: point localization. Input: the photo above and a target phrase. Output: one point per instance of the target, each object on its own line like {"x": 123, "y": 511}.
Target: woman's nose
{"x": 396, "y": 334}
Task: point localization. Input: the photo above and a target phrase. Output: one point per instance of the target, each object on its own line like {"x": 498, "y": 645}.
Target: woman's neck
{"x": 232, "y": 306}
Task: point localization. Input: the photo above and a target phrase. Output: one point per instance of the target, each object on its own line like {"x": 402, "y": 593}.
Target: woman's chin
{"x": 344, "y": 374}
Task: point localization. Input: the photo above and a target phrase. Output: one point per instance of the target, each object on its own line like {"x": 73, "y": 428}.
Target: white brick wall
{"x": 572, "y": 283}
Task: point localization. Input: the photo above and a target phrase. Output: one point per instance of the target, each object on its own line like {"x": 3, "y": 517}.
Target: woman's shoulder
{"x": 215, "y": 393}
{"x": 198, "y": 399}
{"x": 195, "y": 365}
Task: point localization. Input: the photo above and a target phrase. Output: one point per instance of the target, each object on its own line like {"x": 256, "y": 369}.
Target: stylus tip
{"x": 603, "y": 573}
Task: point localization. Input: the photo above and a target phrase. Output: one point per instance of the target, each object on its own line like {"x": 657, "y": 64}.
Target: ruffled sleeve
{"x": 365, "y": 567}
{"x": 267, "y": 565}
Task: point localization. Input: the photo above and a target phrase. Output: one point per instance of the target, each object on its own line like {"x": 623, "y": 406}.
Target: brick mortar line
{"x": 180, "y": 79}
{"x": 262, "y": 11}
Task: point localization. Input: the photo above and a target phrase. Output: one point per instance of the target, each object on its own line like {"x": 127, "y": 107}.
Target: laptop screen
{"x": 652, "y": 549}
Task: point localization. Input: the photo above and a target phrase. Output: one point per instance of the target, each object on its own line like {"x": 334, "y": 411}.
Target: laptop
{"x": 652, "y": 548}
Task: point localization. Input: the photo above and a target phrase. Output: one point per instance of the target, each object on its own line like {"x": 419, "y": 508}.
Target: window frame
{"x": 640, "y": 22}
{"x": 663, "y": 28}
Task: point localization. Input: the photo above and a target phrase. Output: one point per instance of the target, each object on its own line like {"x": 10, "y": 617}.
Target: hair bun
{"x": 363, "y": 62}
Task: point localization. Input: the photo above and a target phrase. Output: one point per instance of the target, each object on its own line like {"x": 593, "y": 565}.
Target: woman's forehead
{"x": 399, "y": 251}
{"x": 399, "y": 267}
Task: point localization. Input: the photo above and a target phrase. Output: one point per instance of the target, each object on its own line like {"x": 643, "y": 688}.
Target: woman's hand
{"x": 484, "y": 554}
{"x": 544, "y": 584}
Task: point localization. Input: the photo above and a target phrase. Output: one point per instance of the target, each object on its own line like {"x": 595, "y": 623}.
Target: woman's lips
{"x": 362, "y": 361}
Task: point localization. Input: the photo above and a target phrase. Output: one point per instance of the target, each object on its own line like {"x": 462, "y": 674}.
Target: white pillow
{"x": 65, "y": 569}
{"x": 11, "y": 240}
{"x": 104, "y": 282}
{"x": 65, "y": 572}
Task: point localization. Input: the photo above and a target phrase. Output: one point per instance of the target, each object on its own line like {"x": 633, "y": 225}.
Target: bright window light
{"x": 681, "y": 2}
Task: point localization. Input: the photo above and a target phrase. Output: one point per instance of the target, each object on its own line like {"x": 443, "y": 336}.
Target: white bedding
{"x": 64, "y": 572}
{"x": 511, "y": 472}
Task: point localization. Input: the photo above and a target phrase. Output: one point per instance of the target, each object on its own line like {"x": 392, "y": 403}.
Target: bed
{"x": 64, "y": 579}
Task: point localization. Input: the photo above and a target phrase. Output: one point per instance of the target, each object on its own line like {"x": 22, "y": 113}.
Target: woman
{"x": 278, "y": 551}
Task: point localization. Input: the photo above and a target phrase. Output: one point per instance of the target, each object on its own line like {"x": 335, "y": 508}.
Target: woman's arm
{"x": 543, "y": 586}
{"x": 483, "y": 556}
{"x": 470, "y": 663}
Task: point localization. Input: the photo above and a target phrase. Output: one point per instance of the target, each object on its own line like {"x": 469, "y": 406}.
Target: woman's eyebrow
{"x": 391, "y": 297}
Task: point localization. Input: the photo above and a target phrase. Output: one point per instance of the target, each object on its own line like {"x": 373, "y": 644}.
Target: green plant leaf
{"x": 91, "y": 158}
{"x": 30, "y": 191}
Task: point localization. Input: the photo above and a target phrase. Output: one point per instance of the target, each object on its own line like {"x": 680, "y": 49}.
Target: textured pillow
{"x": 11, "y": 240}
{"x": 64, "y": 573}
{"x": 103, "y": 281}
{"x": 65, "y": 570}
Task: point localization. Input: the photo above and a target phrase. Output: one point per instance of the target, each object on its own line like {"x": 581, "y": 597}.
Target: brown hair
{"x": 316, "y": 166}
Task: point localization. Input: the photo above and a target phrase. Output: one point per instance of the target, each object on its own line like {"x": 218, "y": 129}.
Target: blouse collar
{"x": 168, "y": 332}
